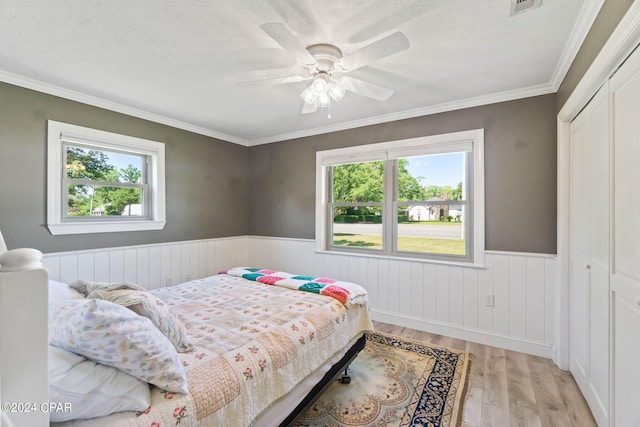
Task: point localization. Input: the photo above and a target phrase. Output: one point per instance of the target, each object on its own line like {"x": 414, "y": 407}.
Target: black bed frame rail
{"x": 326, "y": 381}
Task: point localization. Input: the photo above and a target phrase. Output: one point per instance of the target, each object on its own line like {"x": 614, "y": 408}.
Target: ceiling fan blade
{"x": 367, "y": 89}
{"x": 274, "y": 80}
{"x": 298, "y": 15}
{"x": 267, "y": 73}
{"x": 289, "y": 42}
{"x": 382, "y": 48}
{"x": 309, "y": 108}
{"x": 379, "y": 17}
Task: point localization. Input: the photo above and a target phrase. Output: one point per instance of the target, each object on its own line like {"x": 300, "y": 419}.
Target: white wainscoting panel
{"x": 439, "y": 298}
{"x": 152, "y": 266}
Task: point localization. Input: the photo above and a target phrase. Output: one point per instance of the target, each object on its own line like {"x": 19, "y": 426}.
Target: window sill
{"x": 479, "y": 263}
{"x": 103, "y": 227}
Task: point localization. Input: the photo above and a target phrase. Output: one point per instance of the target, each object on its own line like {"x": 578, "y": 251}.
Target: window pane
{"x": 90, "y": 200}
{"x": 357, "y": 226}
{"x": 433, "y": 177}
{"x": 436, "y": 229}
{"x": 102, "y": 165}
{"x": 358, "y": 182}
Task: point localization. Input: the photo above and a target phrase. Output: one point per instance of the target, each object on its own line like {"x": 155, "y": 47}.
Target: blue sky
{"x": 441, "y": 169}
{"x": 121, "y": 161}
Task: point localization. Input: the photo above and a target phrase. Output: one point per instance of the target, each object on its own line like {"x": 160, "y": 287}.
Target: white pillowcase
{"x": 62, "y": 292}
{"x": 116, "y": 336}
{"x": 91, "y": 389}
{"x": 151, "y": 307}
{"x": 85, "y": 287}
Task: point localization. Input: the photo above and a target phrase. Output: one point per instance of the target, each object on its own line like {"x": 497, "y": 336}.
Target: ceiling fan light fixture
{"x": 322, "y": 89}
{"x": 320, "y": 85}
{"x": 335, "y": 90}
{"x": 323, "y": 100}
{"x": 309, "y": 96}
{"x": 322, "y": 60}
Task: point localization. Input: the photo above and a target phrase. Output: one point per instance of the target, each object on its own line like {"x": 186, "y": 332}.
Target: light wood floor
{"x": 507, "y": 388}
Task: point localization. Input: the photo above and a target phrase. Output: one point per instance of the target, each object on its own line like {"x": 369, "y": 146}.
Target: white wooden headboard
{"x": 3, "y": 246}
{"x": 24, "y": 338}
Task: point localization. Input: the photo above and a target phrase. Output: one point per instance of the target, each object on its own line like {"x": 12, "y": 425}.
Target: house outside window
{"x": 100, "y": 181}
{"x": 421, "y": 198}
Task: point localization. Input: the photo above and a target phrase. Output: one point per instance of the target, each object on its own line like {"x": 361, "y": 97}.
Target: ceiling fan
{"x": 326, "y": 67}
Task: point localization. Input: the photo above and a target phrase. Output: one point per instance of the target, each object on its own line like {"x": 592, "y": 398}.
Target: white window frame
{"x": 435, "y": 144}
{"x": 57, "y": 134}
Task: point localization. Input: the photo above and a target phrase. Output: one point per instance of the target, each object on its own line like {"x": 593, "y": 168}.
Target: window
{"x": 100, "y": 181}
{"x": 421, "y": 198}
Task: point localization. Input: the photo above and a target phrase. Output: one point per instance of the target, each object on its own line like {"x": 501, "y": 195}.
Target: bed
{"x": 245, "y": 347}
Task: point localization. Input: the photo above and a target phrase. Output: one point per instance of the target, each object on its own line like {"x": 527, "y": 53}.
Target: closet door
{"x": 625, "y": 257}
{"x": 598, "y": 267}
{"x": 590, "y": 206}
{"x": 579, "y": 252}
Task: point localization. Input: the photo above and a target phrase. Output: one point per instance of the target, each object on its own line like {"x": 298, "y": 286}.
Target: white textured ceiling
{"x": 178, "y": 61}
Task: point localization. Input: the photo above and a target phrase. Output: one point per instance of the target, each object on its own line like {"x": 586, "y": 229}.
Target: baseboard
{"x": 535, "y": 348}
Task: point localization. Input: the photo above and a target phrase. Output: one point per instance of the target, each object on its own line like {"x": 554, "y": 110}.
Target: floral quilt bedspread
{"x": 253, "y": 344}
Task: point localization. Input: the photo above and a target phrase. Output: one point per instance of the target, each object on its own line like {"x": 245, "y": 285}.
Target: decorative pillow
{"x": 149, "y": 306}
{"x": 92, "y": 389}
{"x": 85, "y": 287}
{"x": 116, "y": 336}
{"x": 62, "y": 292}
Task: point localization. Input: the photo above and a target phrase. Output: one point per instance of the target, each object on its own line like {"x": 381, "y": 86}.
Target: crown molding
{"x": 95, "y": 101}
{"x": 542, "y": 89}
{"x": 583, "y": 24}
{"x": 622, "y": 42}
{"x": 72, "y": 95}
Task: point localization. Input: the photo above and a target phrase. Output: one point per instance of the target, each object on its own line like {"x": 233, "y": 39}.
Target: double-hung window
{"x": 421, "y": 198}
{"x": 100, "y": 181}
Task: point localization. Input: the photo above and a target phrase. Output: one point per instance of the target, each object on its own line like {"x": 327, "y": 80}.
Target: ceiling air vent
{"x": 519, "y": 6}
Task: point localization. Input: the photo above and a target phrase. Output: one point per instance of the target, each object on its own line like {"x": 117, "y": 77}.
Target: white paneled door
{"x": 589, "y": 253}
{"x": 579, "y": 243}
{"x": 625, "y": 259}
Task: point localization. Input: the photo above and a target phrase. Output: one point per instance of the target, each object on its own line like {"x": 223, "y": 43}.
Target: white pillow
{"x": 62, "y": 292}
{"x": 116, "y": 336}
{"x": 85, "y": 287}
{"x": 91, "y": 389}
{"x": 154, "y": 309}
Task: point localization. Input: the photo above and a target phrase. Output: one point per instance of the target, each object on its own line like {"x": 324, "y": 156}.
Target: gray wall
{"x": 206, "y": 179}
{"x": 520, "y": 172}
{"x": 608, "y": 18}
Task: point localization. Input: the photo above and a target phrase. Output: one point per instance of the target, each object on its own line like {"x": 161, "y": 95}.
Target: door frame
{"x": 621, "y": 43}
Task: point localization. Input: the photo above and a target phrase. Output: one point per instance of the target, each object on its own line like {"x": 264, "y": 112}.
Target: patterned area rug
{"x": 395, "y": 382}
